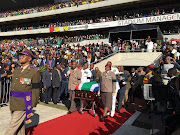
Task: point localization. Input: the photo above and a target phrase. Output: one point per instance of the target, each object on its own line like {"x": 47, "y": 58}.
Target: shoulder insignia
{"x": 29, "y": 68}
{"x": 35, "y": 68}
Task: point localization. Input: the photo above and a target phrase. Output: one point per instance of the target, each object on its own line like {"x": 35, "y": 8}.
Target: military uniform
{"x": 86, "y": 75}
{"x": 17, "y": 104}
{"x": 107, "y": 87}
{"x": 74, "y": 80}
{"x": 112, "y": 110}
{"x": 24, "y": 95}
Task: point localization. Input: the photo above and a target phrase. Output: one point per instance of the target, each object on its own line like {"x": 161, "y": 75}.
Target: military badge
{"x": 26, "y": 81}
{"x": 29, "y": 68}
{"x": 22, "y": 80}
{"x": 29, "y": 107}
{"x": 28, "y": 98}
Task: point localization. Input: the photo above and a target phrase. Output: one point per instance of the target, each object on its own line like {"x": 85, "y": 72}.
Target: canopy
{"x": 135, "y": 31}
{"x": 177, "y": 40}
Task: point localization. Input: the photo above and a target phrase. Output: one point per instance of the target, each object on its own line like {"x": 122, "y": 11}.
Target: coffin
{"x": 86, "y": 95}
{"x": 87, "y": 91}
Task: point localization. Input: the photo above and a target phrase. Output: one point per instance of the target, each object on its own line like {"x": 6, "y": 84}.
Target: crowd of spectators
{"x": 175, "y": 30}
{"x": 49, "y": 59}
{"x": 47, "y": 7}
{"x": 108, "y": 18}
{"x": 64, "y": 54}
{"x": 100, "y": 49}
{"x": 49, "y": 41}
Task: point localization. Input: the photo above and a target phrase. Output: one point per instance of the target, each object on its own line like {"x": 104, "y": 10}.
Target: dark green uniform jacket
{"x": 17, "y": 103}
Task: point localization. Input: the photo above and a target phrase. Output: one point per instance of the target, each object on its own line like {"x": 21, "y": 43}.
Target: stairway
{"x": 130, "y": 59}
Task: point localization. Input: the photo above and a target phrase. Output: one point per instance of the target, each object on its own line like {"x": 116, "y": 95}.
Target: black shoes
{"x": 69, "y": 112}
{"x": 81, "y": 112}
{"x": 103, "y": 118}
{"x": 46, "y": 102}
{"x": 118, "y": 111}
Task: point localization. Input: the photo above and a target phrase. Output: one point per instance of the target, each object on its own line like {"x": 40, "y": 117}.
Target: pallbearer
{"x": 115, "y": 71}
{"x": 24, "y": 93}
{"x": 107, "y": 87}
{"x": 74, "y": 76}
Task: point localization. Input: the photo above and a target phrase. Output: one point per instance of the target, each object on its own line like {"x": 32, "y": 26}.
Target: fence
{"x": 4, "y": 92}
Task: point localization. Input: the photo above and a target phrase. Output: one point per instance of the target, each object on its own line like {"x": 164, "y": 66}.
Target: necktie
{"x": 59, "y": 74}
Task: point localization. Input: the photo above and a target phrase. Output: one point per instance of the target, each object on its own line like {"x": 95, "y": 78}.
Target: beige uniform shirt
{"x": 74, "y": 78}
{"x": 108, "y": 82}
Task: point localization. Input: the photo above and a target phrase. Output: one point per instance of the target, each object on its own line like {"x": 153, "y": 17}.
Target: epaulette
{"x": 29, "y": 68}
{"x": 35, "y": 68}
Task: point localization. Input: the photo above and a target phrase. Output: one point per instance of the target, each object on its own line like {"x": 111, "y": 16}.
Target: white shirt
{"x": 85, "y": 73}
{"x": 133, "y": 74}
{"x": 23, "y": 68}
{"x": 172, "y": 78}
{"x": 115, "y": 70}
{"x": 166, "y": 67}
{"x": 149, "y": 46}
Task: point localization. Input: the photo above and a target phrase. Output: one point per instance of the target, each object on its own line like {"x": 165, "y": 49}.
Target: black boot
{"x": 103, "y": 118}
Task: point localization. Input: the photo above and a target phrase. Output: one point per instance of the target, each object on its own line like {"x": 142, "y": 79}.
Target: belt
{"x": 28, "y": 103}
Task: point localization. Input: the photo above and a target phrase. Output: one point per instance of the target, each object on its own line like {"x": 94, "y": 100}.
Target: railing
{"x": 4, "y": 92}
{"x": 125, "y": 51}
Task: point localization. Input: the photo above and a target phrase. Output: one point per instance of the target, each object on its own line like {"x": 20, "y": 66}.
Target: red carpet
{"x": 85, "y": 124}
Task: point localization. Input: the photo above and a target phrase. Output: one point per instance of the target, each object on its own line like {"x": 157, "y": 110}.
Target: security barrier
{"x": 4, "y": 92}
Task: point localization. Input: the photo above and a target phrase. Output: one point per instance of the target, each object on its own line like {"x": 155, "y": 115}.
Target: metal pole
{"x": 131, "y": 35}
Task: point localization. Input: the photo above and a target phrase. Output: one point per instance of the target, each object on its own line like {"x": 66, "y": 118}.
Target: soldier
{"x": 25, "y": 89}
{"x": 74, "y": 75}
{"x": 115, "y": 71}
{"x": 107, "y": 88}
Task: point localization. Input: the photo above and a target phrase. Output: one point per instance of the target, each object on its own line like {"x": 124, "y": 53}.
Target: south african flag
{"x": 89, "y": 86}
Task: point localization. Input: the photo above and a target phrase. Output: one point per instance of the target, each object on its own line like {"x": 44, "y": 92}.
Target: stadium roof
{"x": 19, "y": 4}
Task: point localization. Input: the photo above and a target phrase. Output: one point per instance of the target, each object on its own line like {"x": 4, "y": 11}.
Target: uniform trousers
{"x": 17, "y": 126}
{"x": 73, "y": 102}
{"x": 112, "y": 110}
